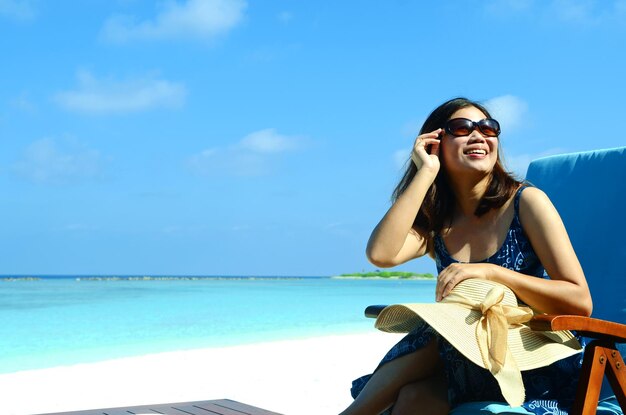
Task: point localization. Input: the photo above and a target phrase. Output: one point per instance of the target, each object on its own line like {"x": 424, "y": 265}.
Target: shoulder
{"x": 535, "y": 207}
{"x": 533, "y": 197}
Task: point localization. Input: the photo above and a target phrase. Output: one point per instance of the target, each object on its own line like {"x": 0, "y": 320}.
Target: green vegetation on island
{"x": 388, "y": 274}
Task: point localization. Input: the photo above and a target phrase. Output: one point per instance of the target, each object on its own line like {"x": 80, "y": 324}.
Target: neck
{"x": 468, "y": 192}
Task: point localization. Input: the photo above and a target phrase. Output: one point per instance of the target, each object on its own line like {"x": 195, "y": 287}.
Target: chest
{"x": 476, "y": 239}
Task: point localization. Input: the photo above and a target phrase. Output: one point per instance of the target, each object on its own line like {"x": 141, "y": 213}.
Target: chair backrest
{"x": 589, "y": 191}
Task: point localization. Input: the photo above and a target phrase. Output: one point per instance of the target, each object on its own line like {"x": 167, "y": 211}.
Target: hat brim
{"x": 531, "y": 349}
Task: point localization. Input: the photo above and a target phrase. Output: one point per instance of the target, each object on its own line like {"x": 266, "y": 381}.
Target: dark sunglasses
{"x": 462, "y": 126}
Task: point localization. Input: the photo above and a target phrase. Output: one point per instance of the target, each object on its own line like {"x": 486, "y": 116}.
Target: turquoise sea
{"x": 54, "y": 321}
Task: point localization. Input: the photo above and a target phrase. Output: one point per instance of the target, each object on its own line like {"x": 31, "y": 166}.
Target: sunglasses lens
{"x": 460, "y": 127}
{"x": 489, "y": 127}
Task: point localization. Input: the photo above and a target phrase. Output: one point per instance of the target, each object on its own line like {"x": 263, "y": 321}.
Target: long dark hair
{"x": 438, "y": 206}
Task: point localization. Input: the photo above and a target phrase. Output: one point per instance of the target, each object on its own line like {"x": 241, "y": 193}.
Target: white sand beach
{"x": 293, "y": 377}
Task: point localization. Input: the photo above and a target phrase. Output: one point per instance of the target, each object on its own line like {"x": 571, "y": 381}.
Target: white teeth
{"x": 482, "y": 152}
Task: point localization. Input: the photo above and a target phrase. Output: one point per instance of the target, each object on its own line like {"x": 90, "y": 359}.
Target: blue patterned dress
{"x": 549, "y": 390}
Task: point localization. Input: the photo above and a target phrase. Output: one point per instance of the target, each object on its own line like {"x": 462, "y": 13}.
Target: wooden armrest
{"x": 374, "y": 310}
{"x": 586, "y": 326}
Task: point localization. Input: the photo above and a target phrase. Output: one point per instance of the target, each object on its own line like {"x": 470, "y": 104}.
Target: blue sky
{"x": 240, "y": 137}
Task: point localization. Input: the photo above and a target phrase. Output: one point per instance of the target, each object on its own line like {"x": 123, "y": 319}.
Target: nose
{"x": 477, "y": 136}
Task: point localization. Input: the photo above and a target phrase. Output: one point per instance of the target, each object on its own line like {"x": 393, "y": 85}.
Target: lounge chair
{"x": 589, "y": 191}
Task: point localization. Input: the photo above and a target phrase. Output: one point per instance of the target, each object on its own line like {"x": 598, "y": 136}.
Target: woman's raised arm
{"x": 393, "y": 241}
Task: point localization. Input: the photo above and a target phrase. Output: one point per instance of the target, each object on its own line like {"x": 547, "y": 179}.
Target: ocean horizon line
{"x": 156, "y": 277}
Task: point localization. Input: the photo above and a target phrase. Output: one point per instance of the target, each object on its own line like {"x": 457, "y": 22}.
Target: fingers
{"x": 442, "y": 288}
{"x": 426, "y": 139}
{"x": 426, "y": 145}
{"x": 457, "y": 272}
{"x": 449, "y": 278}
{"x": 446, "y": 282}
{"x": 434, "y": 147}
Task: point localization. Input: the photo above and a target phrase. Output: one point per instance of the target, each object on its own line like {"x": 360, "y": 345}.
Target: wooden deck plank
{"x": 206, "y": 409}
{"x": 213, "y": 407}
{"x": 243, "y": 408}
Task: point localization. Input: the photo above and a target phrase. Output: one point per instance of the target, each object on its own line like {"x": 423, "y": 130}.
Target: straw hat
{"x": 483, "y": 321}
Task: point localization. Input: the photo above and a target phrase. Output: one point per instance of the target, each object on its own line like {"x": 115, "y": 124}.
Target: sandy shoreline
{"x": 299, "y": 377}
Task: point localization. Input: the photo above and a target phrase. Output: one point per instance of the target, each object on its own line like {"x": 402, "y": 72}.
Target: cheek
{"x": 444, "y": 151}
{"x": 450, "y": 148}
{"x": 450, "y": 154}
{"x": 495, "y": 147}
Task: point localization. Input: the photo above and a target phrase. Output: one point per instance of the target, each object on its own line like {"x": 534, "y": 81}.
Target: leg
{"x": 382, "y": 389}
{"x": 424, "y": 397}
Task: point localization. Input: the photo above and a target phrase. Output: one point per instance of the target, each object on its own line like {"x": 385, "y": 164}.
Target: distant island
{"x": 388, "y": 275}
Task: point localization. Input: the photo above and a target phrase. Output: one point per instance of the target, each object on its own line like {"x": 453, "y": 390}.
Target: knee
{"x": 410, "y": 395}
{"x": 422, "y": 398}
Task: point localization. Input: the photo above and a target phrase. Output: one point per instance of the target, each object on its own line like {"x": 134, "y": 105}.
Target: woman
{"x": 456, "y": 203}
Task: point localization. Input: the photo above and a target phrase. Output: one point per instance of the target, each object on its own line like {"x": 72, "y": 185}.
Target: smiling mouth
{"x": 476, "y": 152}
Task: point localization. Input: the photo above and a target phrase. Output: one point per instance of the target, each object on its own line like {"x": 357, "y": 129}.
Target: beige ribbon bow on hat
{"x": 492, "y": 338}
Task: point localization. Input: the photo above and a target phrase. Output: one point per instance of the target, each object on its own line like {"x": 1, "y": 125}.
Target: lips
{"x": 476, "y": 151}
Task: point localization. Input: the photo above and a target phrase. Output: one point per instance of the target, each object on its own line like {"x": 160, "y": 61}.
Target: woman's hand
{"x": 422, "y": 158}
{"x": 457, "y": 272}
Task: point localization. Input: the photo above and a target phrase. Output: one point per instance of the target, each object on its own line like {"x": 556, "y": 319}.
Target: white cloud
{"x": 228, "y": 162}
{"x": 411, "y": 128}
{"x": 341, "y": 229}
{"x": 111, "y": 96}
{"x": 80, "y": 227}
{"x": 590, "y": 12}
{"x": 193, "y": 19}
{"x": 48, "y": 162}
{"x": 508, "y": 110}
{"x": 508, "y": 6}
{"x": 269, "y": 141}
{"x": 586, "y": 12}
{"x": 285, "y": 16}
{"x": 518, "y": 163}
{"x": 573, "y": 10}
{"x": 17, "y": 9}
{"x": 254, "y": 155}
{"x": 400, "y": 158}
{"x": 23, "y": 103}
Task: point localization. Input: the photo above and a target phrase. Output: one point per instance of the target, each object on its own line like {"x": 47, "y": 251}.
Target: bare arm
{"x": 565, "y": 293}
{"x": 393, "y": 240}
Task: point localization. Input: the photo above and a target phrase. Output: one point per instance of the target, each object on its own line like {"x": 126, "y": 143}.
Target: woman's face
{"x": 475, "y": 152}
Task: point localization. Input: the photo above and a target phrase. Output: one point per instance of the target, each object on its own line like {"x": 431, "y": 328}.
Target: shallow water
{"x": 61, "y": 321}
